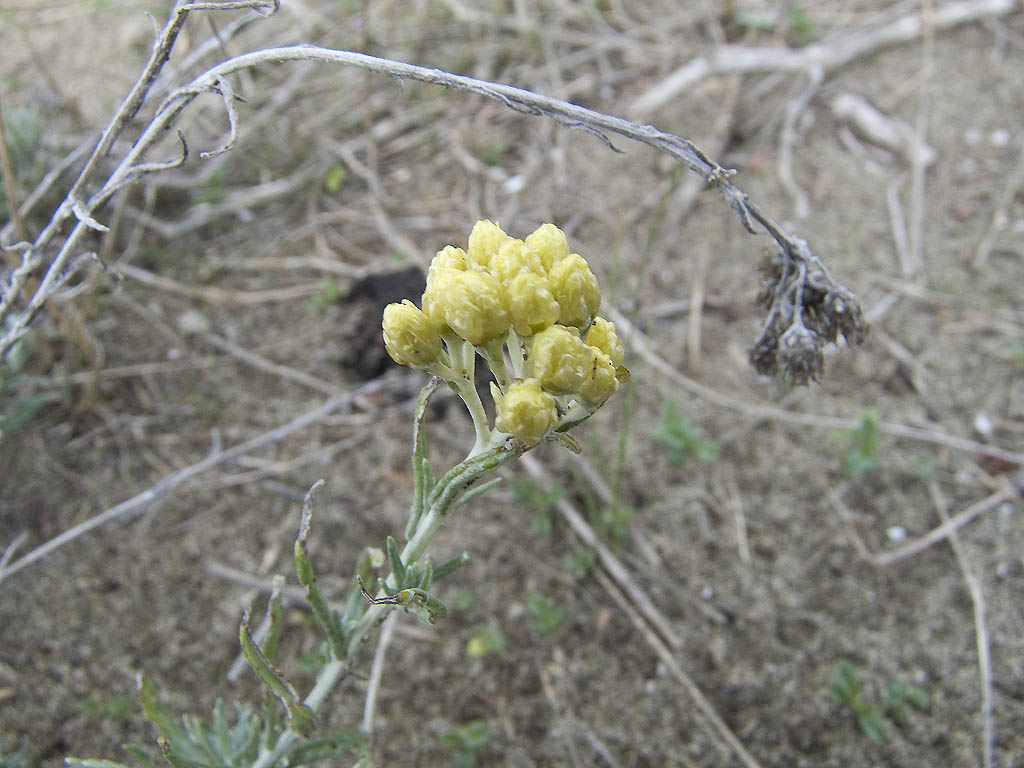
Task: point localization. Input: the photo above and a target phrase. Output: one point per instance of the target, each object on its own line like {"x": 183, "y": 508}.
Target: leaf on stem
{"x": 323, "y": 747}
{"x": 395, "y": 561}
{"x": 300, "y": 717}
{"x": 307, "y": 578}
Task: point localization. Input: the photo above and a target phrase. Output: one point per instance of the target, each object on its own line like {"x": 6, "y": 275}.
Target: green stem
{"x": 442, "y": 499}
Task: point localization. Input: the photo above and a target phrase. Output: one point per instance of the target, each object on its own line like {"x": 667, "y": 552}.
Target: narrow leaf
{"x": 300, "y": 717}
{"x": 274, "y": 610}
{"x": 479, "y": 490}
{"x": 321, "y": 748}
{"x": 175, "y": 760}
{"x": 307, "y": 578}
{"x": 448, "y": 566}
{"x": 395, "y": 561}
{"x": 420, "y": 465}
{"x": 90, "y": 763}
{"x": 156, "y": 712}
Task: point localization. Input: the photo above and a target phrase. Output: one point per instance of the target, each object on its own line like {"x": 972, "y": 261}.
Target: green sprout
{"x": 677, "y": 433}
{"x": 898, "y": 697}
{"x": 464, "y": 741}
{"x": 534, "y": 497}
{"x": 334, "y": 177}
{"x": 484, "y": 642}
{"x": 805, "y": 30}
{"x": 846, "y": 688}
{"x": 547, "y": 617}
{"x": 862, "y": 457}
{"x": 23, "y": 758}
{"x": 329, "y": 294}
{"x": 897, "y": 700}
{"x": 581, "y": 563}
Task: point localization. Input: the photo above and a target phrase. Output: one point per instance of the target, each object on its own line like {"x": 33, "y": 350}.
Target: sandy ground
{"x": 769, "y": 564}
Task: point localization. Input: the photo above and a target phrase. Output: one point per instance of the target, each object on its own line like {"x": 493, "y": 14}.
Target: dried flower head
{"x": 807, "y": 309}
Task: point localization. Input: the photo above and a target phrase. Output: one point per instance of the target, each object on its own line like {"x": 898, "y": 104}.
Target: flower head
{"x": 530, "y": 304}
{"x": 576, "y": 290}
{"x": 560, "y": 359}
{"x": 484, "y": 241}
{"x": 474, "y": 306}
{"x": 526, "y": 411}
{"x": 548, "y": 242}
{"x": 602, "y": 335}
{"x": 601, "y": 381}
{"x": 410, "y": 336}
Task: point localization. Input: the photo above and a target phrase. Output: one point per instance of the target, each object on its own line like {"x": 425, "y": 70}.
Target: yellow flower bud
{"x": 560, "y": 359}
{"x": 513, "y": 257}
{"x": 530, "y": 304}
{"x": 435, "y": 296}
{"x": 602, "y": 335}
{"x": 474, "y": 306}
{"x": 576, "y": 290}
{"x": 410, "y": 337}
{"x": 548, "y": 242}
{"x": 601, "y": 382}
{"x": 525, "y": 411}
{"x": 449, "y": 257}
{"x": 484, "y": 241}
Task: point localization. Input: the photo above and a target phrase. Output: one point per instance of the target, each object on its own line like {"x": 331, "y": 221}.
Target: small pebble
{"x": 983, "y": 424}
{"x": 999, "y": 138}
{"x": 896, "y": 533}
{"x": 193, "y": 321}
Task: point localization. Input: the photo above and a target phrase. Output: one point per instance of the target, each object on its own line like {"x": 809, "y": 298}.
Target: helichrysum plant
{"x": 528, "y": 309}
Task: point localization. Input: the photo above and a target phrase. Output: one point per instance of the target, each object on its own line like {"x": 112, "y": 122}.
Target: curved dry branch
{"x": 790, "y": 339}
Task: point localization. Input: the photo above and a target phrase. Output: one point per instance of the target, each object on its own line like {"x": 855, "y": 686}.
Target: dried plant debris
{"x": 807, "y": 309}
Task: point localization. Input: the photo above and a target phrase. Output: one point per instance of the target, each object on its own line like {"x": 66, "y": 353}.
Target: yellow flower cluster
{"x": 532, "y": 296}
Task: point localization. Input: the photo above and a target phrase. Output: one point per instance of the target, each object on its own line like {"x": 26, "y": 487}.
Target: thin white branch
{"x": 828, "y": 55}
{"x": 142, "y": 501}
{"x": 387, "y": 631}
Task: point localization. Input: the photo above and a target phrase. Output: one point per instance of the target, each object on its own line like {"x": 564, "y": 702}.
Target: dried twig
{"x": 980, "y": 627}
{"x": 827, "y": 55}
{"x": 673, "y": 379}
{"x": 142, "y": 501}
{"x": 527, "y": 102}
{"x": 387, "y": 631}
{"x": 261, "y": 363}
{"x": 948, "y": 527}
{"x": 617, "y": 582}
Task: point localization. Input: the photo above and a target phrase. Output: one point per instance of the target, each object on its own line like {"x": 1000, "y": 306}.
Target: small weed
{"x": 465, "y": 600}
{"x": 546, "y": 617}
{"x": 116, "y": 708}
{"x": 613, "y": 522}
{"x": 23, "y": 758}
{"x": 580, "y": 564}
{"x": 18, "y": 406}
{"x": 334, "y": 177}
{"x": 329, "y": 294}
{"x": 804, "y": 30}
{"x": 494, "y": 154}
{"x": 846, "y": 688}
{"x": 752, "y": 20}
{"x": 215, "y": 188}
{"x": 532, "y": 496}
{"x": 1016, "y": 353}
{"x": 677, "y": 433}
{"x": 485, "y": 641}
{"x": 862, "y": 457}
{"x": 464, "y": 741}
{"x": 897, "y": 699}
